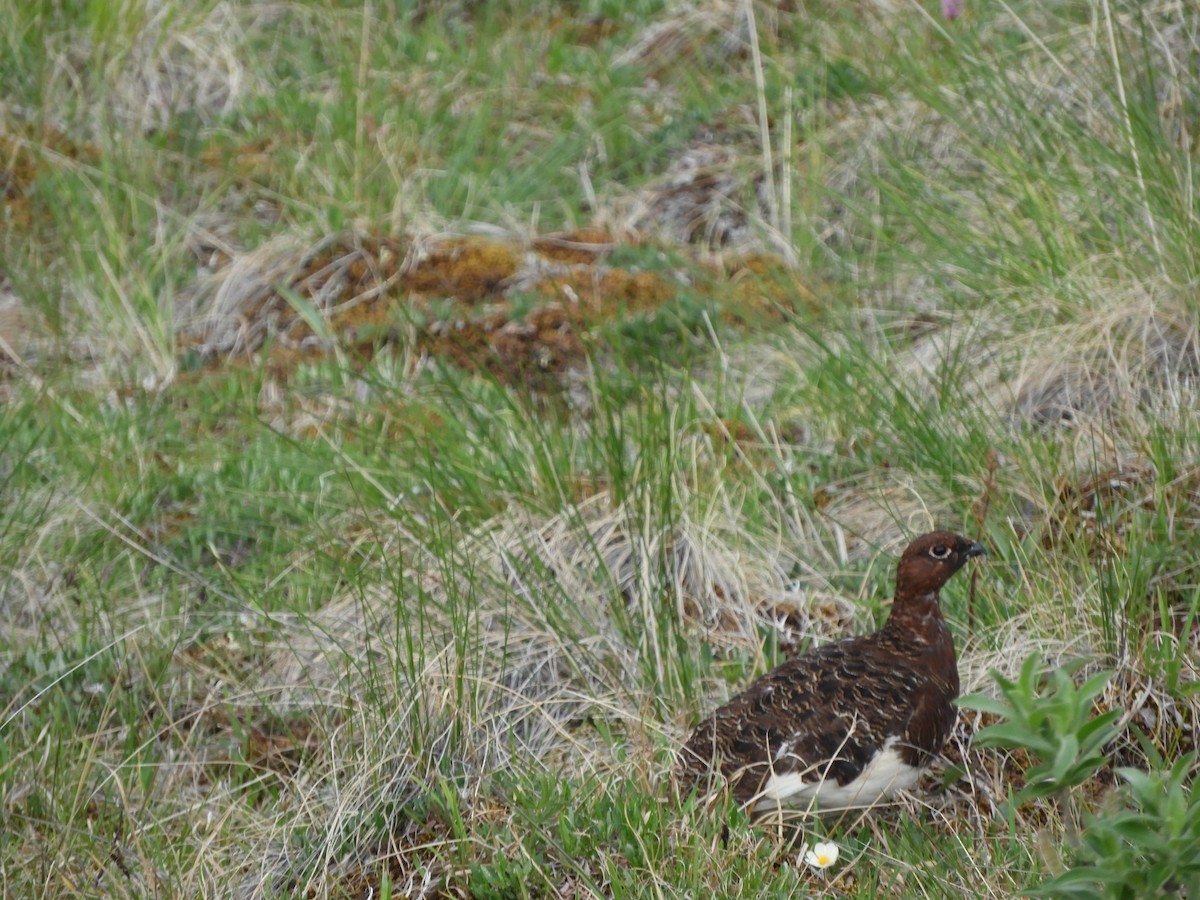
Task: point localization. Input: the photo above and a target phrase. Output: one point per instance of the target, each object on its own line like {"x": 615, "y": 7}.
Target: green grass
{"x": 352, "y": 623}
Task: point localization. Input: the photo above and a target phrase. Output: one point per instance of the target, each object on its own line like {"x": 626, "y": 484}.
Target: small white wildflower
{"x": 822, "y": 855}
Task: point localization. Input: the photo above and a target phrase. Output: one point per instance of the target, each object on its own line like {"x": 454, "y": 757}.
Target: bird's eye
{"x": 941, "y": 551}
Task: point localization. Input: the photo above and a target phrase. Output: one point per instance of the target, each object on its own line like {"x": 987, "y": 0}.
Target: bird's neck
{"x": 916, "y": 630}
{"x": 916, "y": 621}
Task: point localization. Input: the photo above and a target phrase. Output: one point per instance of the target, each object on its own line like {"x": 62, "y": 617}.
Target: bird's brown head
{"x": 929, "y": 561}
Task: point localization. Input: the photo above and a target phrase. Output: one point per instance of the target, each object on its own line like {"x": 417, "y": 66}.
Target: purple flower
{"x": 952, "y": 9}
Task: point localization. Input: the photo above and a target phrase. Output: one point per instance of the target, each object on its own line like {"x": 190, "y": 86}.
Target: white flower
{"x": 822, "y": 855}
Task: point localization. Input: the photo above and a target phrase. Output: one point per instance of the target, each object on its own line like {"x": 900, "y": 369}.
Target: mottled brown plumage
{"x": 849, "y": 722}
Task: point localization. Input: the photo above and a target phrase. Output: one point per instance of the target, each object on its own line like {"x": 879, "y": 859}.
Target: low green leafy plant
{"x": 1148, "y": 846}
{"x": 1145, "y": 839}
{"x": 1050, "y": 717}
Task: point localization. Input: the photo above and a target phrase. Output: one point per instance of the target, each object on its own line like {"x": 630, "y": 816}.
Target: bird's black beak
{"x": 974, "y": 548}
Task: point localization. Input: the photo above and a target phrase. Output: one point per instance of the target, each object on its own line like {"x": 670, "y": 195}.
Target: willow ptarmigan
{"x": 848, "y": 723}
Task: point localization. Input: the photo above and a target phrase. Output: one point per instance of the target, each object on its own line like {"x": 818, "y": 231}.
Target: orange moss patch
{"x": 576, "y": 247}
{"x": 457, "y": 297}
{"x": 466, "y": 270}
{"x": 634, "y": 291}
{"x": 597, "y": 294}
{"x": 545, "y": 343}
{"x": 762, "y": 288}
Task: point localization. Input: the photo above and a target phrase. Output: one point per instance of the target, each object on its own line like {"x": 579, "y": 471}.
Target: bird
{"x": 849, "y": 723}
